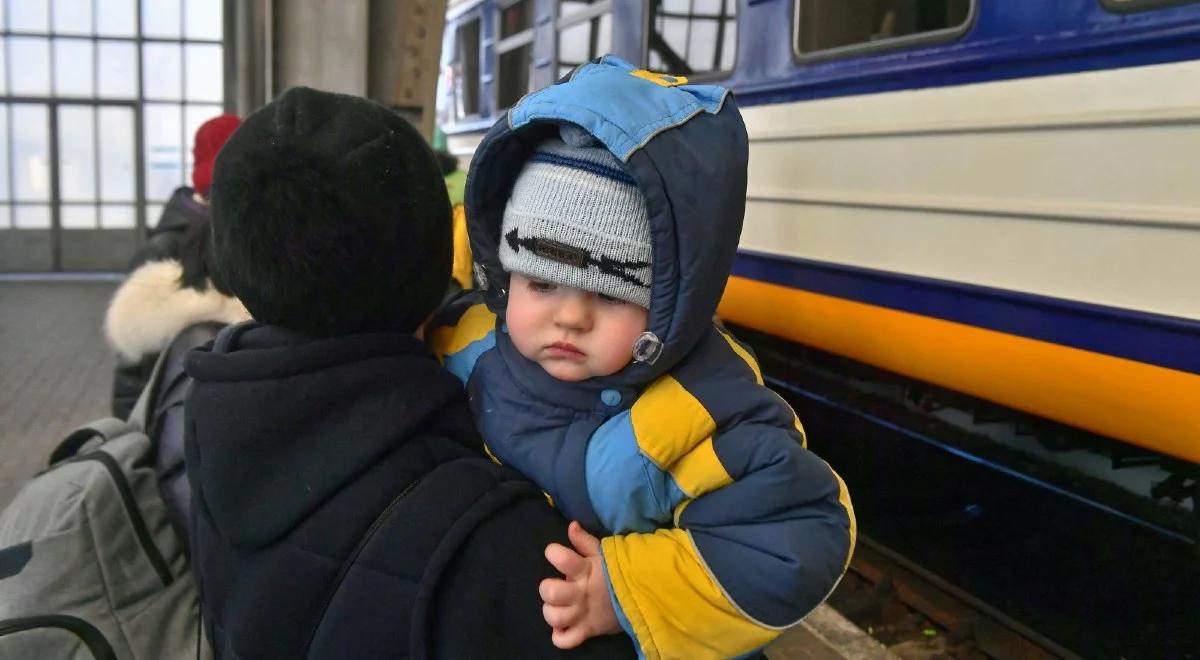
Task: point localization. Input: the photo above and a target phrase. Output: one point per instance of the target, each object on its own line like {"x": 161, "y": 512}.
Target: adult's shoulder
{"x": 488, "y": 602}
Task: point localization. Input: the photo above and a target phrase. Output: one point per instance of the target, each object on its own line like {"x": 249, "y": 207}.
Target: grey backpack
{"x": 90, "y": 567}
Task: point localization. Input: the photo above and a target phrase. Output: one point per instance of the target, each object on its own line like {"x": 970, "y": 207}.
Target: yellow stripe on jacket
{"x": 675, "y": 431}
{"x": 474, "y": 325}
{"x": 671, "y": 602}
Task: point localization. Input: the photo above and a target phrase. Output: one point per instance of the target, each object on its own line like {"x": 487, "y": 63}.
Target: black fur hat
{"x": 330, "y": 216}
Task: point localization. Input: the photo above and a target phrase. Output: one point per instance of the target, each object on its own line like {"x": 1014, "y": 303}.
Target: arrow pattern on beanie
{"x": 577, "y": 256}
{"x": 576, "y": 217}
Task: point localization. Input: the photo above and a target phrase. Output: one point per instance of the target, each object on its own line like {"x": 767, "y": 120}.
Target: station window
{"x": 99, "y": 102}
{"x": 515, "y": 50}
{"x": 584, "y": 32}
{"x": 692, "y": 37}
{"x": 465, "y": 69}
{"x": 823, "y": 25}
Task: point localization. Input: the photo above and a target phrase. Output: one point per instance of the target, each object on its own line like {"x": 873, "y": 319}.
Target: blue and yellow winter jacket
{"x": 720, "y": 529}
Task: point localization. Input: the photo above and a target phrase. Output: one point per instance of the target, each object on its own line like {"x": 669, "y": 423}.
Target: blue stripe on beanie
{"x": 587, "y": 166}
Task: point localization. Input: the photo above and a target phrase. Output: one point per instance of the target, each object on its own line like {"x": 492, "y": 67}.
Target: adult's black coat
{"x": 342, "y": 509}
{"x": 165, "y": 241}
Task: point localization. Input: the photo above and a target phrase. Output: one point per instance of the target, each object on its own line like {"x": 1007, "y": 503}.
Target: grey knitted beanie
{"x": 577, "y": 218}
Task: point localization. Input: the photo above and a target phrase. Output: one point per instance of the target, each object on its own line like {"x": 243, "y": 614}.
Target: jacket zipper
{"x": 358, "y": 548}
{"x": 135, "y": 516}
{"x": 91, "y": 636}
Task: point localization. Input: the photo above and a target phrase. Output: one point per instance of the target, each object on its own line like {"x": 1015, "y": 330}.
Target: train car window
{"x": 516, "y": 17}
{"x": 692, "y": 37}
{"x": 824, "y": 25}
{"x": 514, "y": 75}
{"x": 584, "y": 32}
{"x": 465, "y": 68}
{"x": 515, "y": 50}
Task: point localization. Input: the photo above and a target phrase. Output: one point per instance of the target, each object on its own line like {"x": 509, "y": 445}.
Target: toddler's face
{"x": 573, "y": 334}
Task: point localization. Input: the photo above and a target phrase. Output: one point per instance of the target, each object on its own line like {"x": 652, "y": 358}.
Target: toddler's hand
{"x": 577, "y": 607}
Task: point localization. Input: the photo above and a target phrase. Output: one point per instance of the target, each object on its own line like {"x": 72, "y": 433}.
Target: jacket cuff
{"x": 620, "y": 612}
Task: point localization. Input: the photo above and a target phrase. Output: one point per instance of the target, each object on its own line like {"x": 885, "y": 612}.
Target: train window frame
{"x": 706, "y": 76}
{"x": 945, "y": 35}
{"x": 509, "y": 44}
{"x": 1131, "y": 6}
{"x": 470, "y": 15}
{"x": 561, "y": 23}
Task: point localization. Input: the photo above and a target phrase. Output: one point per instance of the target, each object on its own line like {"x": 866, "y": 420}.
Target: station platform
{"x": 55, "y": 369}
{"x": 827, "y": 635}
{"x": 56, "y": 373}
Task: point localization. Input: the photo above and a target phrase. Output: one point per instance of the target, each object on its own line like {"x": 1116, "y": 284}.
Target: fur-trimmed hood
{"x": 150, "y": 308}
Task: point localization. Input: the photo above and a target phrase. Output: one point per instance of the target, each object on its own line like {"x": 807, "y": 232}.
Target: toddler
{"x": 604, "y": 215}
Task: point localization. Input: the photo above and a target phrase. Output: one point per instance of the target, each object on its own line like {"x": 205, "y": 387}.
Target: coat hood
{"x": 180, "y": 212}
{"x": 686, "y": 148}
{"x": 151, "y": 307}
{"x": 280, "y": 421}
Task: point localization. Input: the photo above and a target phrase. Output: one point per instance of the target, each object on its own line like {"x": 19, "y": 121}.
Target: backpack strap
{"x": 105, "y": 428}
{"x": 141, "y": 410}
{"x": 108, "y": 428}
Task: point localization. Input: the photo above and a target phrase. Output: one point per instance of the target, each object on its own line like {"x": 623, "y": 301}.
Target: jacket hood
{"x": 685, "y": 146}
{"x": 181, "y": 211}
{"x": 150, "y": 308}
{"x": 281, "y": 422}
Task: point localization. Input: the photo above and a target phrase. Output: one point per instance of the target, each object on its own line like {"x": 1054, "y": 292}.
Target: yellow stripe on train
{"x": 1146, "y": 405}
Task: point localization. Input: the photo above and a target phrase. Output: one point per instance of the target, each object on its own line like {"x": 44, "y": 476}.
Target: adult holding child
{"x": 342, "y": 506}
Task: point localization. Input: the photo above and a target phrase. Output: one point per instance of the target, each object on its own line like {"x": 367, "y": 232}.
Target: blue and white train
{"x": 998, "y": 197}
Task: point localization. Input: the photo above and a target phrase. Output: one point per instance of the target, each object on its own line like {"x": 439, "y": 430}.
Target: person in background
{"x": 168, "y": 287}
{"x": 156, "y": 302}
{"x": 188, "y": 204}
{"x": 170, "y": 306}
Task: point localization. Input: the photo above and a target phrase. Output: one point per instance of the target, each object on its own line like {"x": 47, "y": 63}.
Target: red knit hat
{"x": 209, "y": 138}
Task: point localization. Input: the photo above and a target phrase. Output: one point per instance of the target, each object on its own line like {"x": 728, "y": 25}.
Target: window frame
{"x": 473, "y": 14}
{"x": 508, "y": 44}
{"x": 945, "y": 35}
{"x": 706, "y": 76}
{"x": 563, "y": 22}
{"x": 136, "y": 101}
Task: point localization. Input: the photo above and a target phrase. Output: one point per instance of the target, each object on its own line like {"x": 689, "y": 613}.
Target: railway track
{"x": 970, "y": 622}
{"x": 1027, "y": 564}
